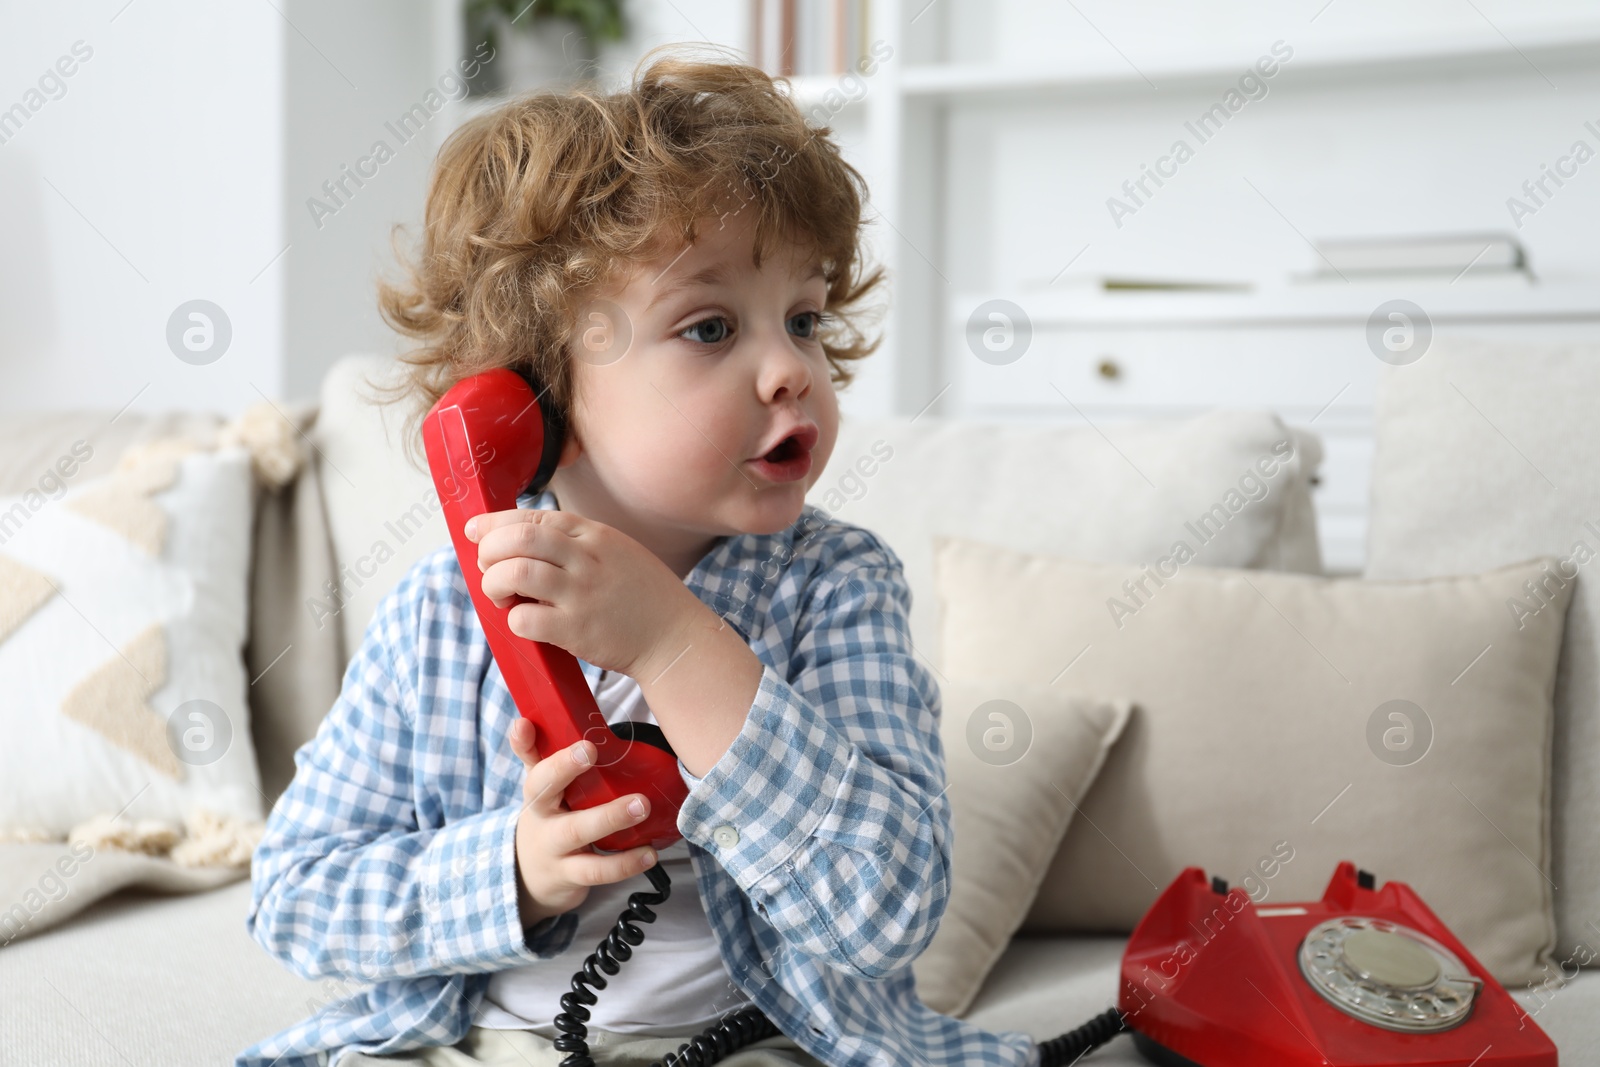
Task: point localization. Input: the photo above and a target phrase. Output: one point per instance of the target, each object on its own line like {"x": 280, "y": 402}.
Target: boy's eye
{"x": 715, "y": 330}
{"x": 707, "y": 331}
{"x": 807, "y": 323}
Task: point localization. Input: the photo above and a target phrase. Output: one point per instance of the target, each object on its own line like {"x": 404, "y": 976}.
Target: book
{"x": 1420, "y": 254}
{"x": 799, "y": 38}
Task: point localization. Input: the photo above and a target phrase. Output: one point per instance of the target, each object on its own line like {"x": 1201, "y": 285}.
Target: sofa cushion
{"x": 123, "y": 615}
{"x": 145, "y": 978}
{"x": 296, "y": 657}
{"x": 1284, "y": 723}
{"x": 150, "y": 978}
{"x": 1008, "y": 748}
{"x": 1046, "y": 986}
{"x": 45, "y": 883}
{"x": 383, "y": 512}
{"x": 1485, "y": 455}
{"x": 1124, "y": 497}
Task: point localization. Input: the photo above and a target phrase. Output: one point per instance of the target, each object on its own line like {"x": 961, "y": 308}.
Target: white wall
{"x": 354, "y": 71}
{"x": 154, "y": 179}
{"x": 178, "y": 162}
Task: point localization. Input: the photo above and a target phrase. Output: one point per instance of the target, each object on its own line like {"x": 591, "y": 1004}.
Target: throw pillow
{"x": 122, "y": 617}
{"x": 1286, "y": 722}
{"x": 1018, "y": 759}
{"x": 1239, "y": 479}
{"x": 1485, "y": 455}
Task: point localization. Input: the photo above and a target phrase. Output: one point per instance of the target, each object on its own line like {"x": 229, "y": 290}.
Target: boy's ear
{"x": 571, "y": 449}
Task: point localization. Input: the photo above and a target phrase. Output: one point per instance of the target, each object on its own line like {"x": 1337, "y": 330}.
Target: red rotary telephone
{"x": 486, "y": 442}
{"x": 1361, "y": 978}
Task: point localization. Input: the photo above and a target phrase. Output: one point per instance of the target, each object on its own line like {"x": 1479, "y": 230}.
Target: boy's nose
{"x": 784, "y": 372}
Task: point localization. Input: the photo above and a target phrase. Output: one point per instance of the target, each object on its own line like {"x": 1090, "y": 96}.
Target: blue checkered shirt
{"x": 387, "y": 870}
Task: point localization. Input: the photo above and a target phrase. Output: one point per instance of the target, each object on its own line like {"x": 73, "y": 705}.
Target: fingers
{"x": 536, "y": 533}
{"x": 576, "y": 830}
{"x": 546, "y": 783}
{"x": 479, "y": 527}
{"x": 525, "y": 556}
{"x": 521, "y": 576}
{"x": 569, "y": 834}
{"x": 582, "y": 828}
{"x": 522, "y": 735}
{"x": 594, "y": 868}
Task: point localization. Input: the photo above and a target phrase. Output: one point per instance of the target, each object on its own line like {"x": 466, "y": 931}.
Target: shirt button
{"x": 725, "y": 836}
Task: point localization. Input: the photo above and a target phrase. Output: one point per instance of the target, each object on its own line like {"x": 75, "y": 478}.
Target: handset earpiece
{"x": 555, "y": 432}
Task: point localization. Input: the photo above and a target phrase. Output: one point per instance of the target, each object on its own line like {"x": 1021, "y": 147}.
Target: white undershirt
{"x": 674, "y": 985}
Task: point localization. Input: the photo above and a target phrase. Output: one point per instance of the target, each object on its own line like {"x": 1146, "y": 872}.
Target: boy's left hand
{"x": 597, "y": 592}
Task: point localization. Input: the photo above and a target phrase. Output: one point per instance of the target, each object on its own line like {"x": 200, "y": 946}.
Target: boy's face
{"x": 723, "y": 361}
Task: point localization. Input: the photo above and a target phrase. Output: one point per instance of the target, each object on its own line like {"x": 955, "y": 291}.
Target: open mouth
{"x": 789, "y": 448}
{"x": 789, "y": 459}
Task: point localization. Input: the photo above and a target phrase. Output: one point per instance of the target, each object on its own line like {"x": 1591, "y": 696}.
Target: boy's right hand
{"x": 555, "y": 863}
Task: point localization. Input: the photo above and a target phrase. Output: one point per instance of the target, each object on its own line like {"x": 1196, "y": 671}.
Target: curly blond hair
{"x": 541, "y": 201}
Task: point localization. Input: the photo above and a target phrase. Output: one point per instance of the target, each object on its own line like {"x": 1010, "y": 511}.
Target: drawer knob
{"x": 1109, "y": 369}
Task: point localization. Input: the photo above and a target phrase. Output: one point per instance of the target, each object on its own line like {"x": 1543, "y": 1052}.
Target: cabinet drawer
{"x": 1294, "y": 370}
{"x": 1299, "y": 371}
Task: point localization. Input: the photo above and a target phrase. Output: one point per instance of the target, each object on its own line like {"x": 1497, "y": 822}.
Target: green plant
{"x": 600, "y": 20}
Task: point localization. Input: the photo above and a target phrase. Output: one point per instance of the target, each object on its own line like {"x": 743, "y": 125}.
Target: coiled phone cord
{"x": 749, "y": 1023}
{"x": 716, "y": 1042}
{"x": 1066, "y": 1049}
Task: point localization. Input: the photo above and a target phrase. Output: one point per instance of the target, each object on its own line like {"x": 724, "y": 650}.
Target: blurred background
{"x": 1091, "y": 211}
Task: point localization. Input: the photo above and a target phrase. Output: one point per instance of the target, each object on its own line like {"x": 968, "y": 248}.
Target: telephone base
{"x": 1160, "y": 1055}
{"x": 1364, "y": 977}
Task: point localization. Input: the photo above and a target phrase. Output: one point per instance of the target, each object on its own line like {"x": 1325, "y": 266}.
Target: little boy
{"x": 659, "y": 260}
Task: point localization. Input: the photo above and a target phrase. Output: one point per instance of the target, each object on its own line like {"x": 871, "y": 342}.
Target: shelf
{"x": 1323, "y": 304}
{"x": 807, "y": 91}
{"x": 1443, "y": 54}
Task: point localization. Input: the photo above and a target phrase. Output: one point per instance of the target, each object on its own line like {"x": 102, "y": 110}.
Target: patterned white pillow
{"x": 123, "y": 616}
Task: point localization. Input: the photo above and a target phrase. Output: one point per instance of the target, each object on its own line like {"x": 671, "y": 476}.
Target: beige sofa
{"x": 146, "y": 977}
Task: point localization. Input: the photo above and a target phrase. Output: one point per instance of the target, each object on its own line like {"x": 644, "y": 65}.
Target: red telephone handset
{"x": 485, "y": 439}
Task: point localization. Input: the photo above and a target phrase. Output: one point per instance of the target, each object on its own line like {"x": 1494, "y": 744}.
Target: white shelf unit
{"x": 987, "y": 175}
{"x": 1296, "y": 348}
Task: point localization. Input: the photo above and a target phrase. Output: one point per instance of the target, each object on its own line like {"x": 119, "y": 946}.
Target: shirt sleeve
{"x": 345, "y": 882}
{"x": 828, "y": 808}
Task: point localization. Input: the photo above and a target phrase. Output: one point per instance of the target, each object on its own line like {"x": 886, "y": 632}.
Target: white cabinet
{"x": 995, "y": 137}
{"x": 1305, "y": 354}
